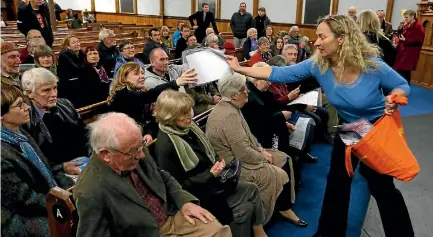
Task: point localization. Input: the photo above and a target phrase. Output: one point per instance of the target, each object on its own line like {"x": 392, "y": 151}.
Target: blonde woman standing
{"x": 351, "y": 75}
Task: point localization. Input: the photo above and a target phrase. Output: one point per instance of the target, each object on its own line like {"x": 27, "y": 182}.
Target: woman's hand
{"x": 188, "y": 77}
{"x": 233, "y": 62}
{"x": 71, "y": 167}
{"x": 311, "y": 108}
{"x": 287, "y": 114}
{"x": 147, "y": 138}
{"x": 291, "y": 127}
{"x": 216, "y": 99}
{"x": 217, "y": 168}
{"x": 390, "y": 106}
{"x": 294, "y": 94}
{"x": 268, "y": 156}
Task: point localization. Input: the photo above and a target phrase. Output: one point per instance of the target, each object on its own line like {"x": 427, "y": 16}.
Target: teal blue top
{"x": 362, "y": 99}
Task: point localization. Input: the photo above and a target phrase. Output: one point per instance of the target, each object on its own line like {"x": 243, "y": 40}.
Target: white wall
{"x": 177, "y": 8}
{"x": 104, "y": 5}
{"x": 361, "y": 5}
{"x": 281, "y": 11}
{"x": 148, "y": 7}
{"x": 74, "y": 4}
{"x": 228, "y": 7}
{"x": 402, "y": 5}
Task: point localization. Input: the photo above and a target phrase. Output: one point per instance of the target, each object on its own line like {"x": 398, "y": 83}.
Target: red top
{"x": 409, "y": 50}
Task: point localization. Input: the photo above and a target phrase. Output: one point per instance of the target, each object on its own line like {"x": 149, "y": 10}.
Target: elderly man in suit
{"x": 122, "y": 192}
{"x": 203, "y": 19}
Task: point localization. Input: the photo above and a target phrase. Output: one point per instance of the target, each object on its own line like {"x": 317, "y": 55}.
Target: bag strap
{"x": 348, "y": 161}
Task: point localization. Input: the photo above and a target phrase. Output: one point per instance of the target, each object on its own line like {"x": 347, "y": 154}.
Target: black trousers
{"x": 406, "y": 75}
{"x": 393, "y": 211}
{"x": 283, "y": 202}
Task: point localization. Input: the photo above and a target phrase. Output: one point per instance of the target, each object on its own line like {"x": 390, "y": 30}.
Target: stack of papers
{"x": 313, "y": 98}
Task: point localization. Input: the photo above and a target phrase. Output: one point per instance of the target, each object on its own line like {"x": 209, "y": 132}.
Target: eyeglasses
{"x": 132, "y": 155}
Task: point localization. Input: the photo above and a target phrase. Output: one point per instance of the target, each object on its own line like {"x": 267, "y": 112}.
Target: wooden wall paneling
{"x": 423, "y": 76}
{"x": 135, "y": 7}
{"x": 299, "y": 11}
{"x": 334, "y": 8}
{"x": 218, "y": 13}
{"x": 389, "y": 8}
{"x": 92, "y": 6}
{"x": 255, "y": 7}
{"x": 52, "y": 15}
{"x": 161, "y": 7}
{"x": 193, "y": 6}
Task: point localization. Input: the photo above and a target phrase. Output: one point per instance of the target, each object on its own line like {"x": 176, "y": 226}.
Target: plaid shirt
{"x": 150, "y": 199}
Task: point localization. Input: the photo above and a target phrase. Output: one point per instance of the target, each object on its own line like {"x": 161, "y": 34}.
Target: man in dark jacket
{"x": 123, "y": 180}
{"x": 203, "y": 19}
{"x": 152, "y": 43}
{"x": 240, "y": 23}
{"x": 384, "y": 25}
{"x": 54, "y": 123}
{"x": 108, "y": 51}
{"x": 36, "y": 15}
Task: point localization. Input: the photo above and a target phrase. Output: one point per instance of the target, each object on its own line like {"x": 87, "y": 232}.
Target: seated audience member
{"x": 270, "y": 33}
{"x": 183, "y": 150}
{"x": 130, "y": 96}
{"x": 294, "y": 35}
{"x": 71, "y": 59}
{"x": 177, "y": 34}
{"x": 10, "y": 64}
{"x": 154, "y": 42}
{"x": 161, "y": 72}
{"x": 182, "y": 44}
{"x": 45, "y": 58}
{"x": 32, "y": 34}
{"x": 108, "y": 51}
{"x": 165, "y": 37}
{"x": 76, "y": 22}
{"x": 122, "y": 192}
{"x": 230, "y": 136}
{"x": 87, "y": 17}
{"x": 32, "y": 45}
{"x": 251, "y": 44}
{"x": 26, "y": 176}
{"x": 277, "y": 46}
{"x": 286, "y": 39}
{"x": 304, "y": 51}
{"x": 211, "y": 41}
{"x": 269, "y": 119}
{"x": 282, "y": 33}
{"x": 263, "y": 53}
{"x": 210, "y": 31}
{"x": 2, "y": 22}
{"x": 369, "y": 25}
{"x": 54, "y": 122}
{"x": 192, "y": 39}
{"x": 69, "y": 14}
{"x": 127, "y": 54}
{"x": 92, "y": 83}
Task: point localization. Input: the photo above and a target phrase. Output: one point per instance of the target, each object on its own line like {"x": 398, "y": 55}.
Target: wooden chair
{"x": 89, "y": 113}
{"x": 62, "y": 214}
{"x": 201, "y": 119}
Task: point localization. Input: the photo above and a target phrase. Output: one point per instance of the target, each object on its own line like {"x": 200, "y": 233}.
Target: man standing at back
{"x": 384, "y": 25}
{"x": 203, "y": 19}
{"x": 36, "y": 16}
{"x": 240, "y": 23}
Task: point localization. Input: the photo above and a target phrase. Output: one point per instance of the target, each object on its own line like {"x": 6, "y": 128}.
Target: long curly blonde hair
{"x": 120, "y": 81}
{"x": 355, "y": 52}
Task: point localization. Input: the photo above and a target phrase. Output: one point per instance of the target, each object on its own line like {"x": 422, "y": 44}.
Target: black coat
{"x": 388, "y": 52}
{"x": 137, "y": 105}
{"x": 149, "y": 46}
{"x": 181, "y": 45}
{"x": 247, "y": 48}
{"x": 23, "y": 206}
{"x": 27, "y": 20}
{"x": 68, "y": 70}
{"x": 200, "y": 32}
{"x": 199, "y": 181}
{"x": 61, "y": 136}
{"x": 260, "y": 23}
{"x": 107, "y": 57}
{"x": 88, "y": 89}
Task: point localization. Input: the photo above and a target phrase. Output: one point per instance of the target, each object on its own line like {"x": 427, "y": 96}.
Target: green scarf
{"x": 186, "y": 155}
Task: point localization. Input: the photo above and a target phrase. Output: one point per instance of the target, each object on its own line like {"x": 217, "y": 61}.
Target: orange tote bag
{"x": 384, "y": 148}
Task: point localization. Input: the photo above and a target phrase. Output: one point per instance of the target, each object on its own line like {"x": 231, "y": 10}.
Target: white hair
{"x": 209, "y": 30}
{"x": 229, "y": 85}
{"x": 35, "y": 77}
{"x": 293, "y": 28}
{"x": 251, "y": 31}
{"x": 304, "y": 38}
{"x": 258, "y": 64}
{"x": 105, "y": 131}
{"x": 104, "y": 33}
{"x": 287, "y": 47}
{"x": 211, "y": 38}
